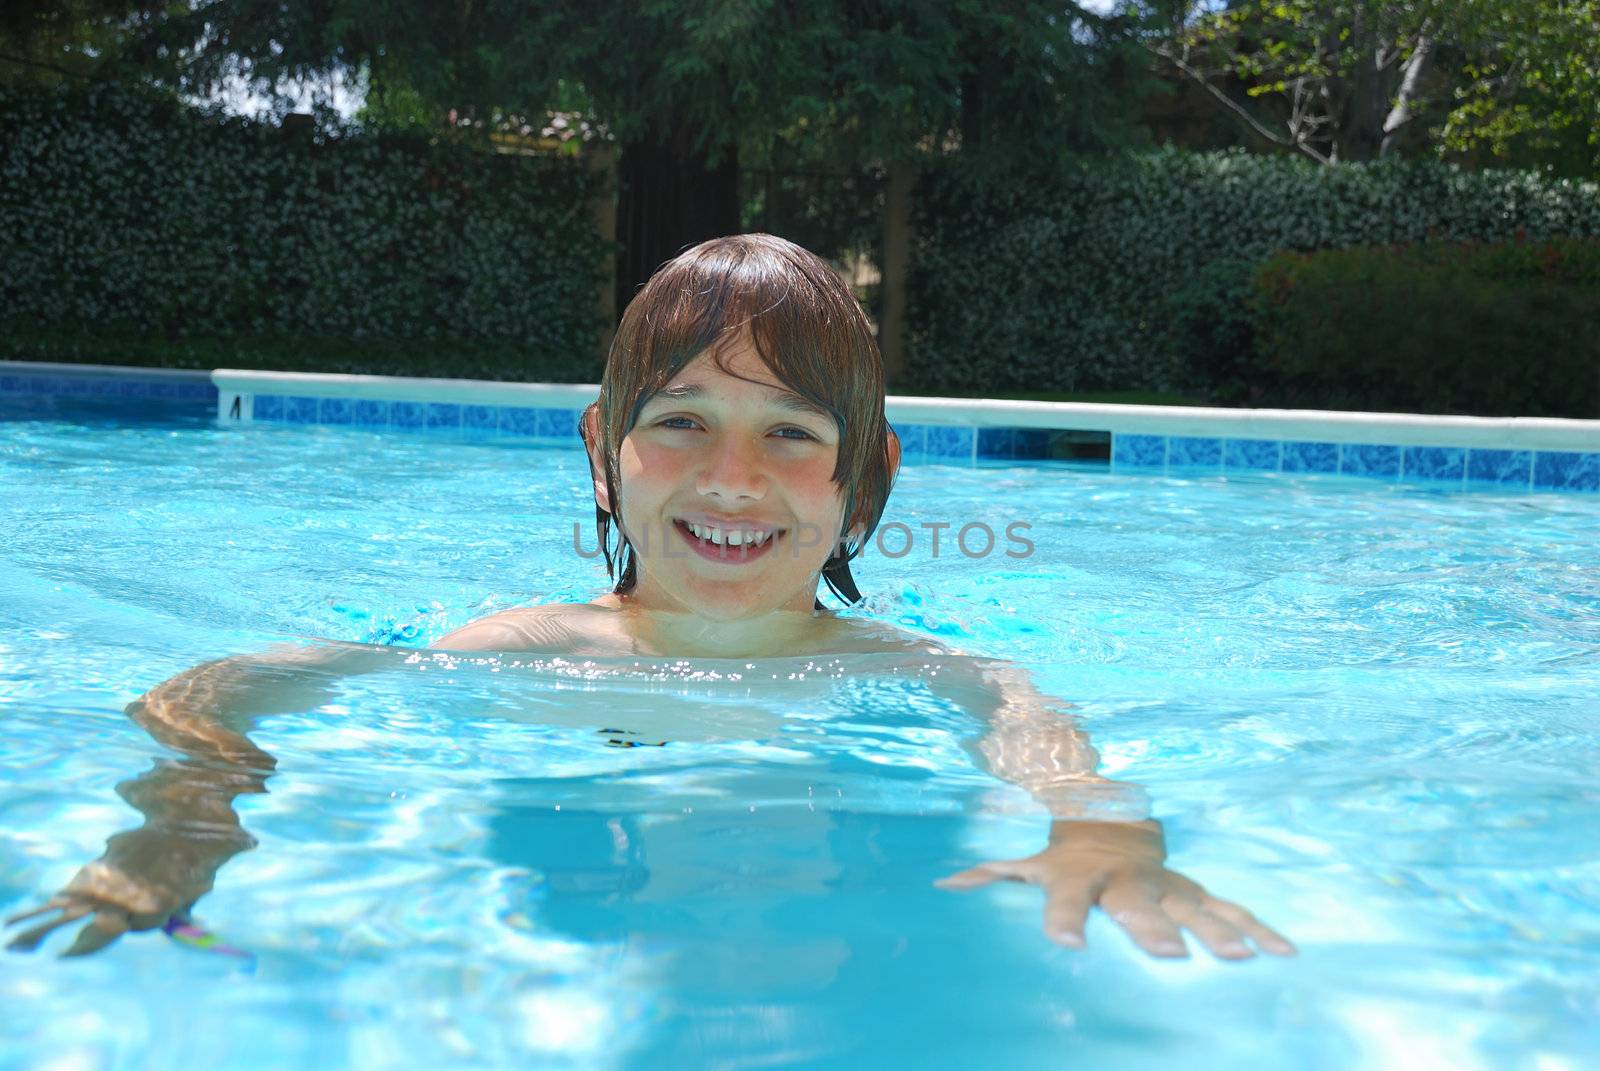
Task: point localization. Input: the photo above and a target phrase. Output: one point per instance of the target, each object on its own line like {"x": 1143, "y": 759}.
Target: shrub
{"x": 135, "y": 228}
{"x": 1506, "y": 328}
{"x": 1124, "y": 274}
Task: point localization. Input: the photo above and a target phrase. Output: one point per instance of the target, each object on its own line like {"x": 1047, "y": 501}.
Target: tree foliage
{"x": 48, "y": 41}
{"x": 1531, "y": 92}
{"x": 1354, "y": 79}
{"x": 883, "y": 80}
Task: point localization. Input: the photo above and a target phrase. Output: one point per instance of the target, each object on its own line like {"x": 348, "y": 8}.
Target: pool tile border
{"x": 89, "y": 382}
{"x": 1467, "y": 452}
{"x": 1467, "y": 467}
{"x": 947, "y": 444}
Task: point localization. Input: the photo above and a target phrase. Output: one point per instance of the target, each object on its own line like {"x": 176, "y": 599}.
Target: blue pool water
{"x": 1366, "y": 711}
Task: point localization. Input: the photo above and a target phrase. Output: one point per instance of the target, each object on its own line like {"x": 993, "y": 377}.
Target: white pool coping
{"x": 1404, "y": 429}
{"x": 116, "y": 371}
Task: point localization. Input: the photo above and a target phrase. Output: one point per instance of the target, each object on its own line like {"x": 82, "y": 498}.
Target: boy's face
{"x": 727, "y": 492}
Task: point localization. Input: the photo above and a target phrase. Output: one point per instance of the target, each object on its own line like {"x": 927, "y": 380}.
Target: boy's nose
{"x": 733, "y": 472}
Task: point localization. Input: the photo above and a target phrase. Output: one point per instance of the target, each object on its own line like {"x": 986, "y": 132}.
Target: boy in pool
{"x": 739, "y": 448}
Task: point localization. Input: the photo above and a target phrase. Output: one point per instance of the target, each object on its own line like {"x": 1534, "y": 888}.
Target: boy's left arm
{"x": 1103, "y": 846}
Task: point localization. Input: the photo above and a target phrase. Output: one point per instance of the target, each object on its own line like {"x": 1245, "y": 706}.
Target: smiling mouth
{"x": 729, "y": 545}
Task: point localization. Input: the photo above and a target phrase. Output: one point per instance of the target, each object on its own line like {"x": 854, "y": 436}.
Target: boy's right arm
{"x": 206, "y": 711}
{"x": 149, "y": 874}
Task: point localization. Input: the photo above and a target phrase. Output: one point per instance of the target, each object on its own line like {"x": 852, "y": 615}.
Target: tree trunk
{"x": 902, "y": 180}
{"x": 1360, "y": 114}
{"x": 602, "y": 158}
{"x": 668, "y": 199}
{"x": 1410, "y": 82}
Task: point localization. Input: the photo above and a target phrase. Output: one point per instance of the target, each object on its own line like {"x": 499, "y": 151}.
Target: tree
{"x": 1530, "y": 93}
{"x": 1330, "y": 79}
{"x": 1355, "y": 79}
{"x": 51, "y": 40}
{"x": 686, "y": 85}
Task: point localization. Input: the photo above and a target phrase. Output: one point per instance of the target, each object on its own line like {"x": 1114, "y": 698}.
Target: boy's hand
{"x": 144, "y": 879}
{"x": 114, "y": 902}
{"x": 1119, "y": 865}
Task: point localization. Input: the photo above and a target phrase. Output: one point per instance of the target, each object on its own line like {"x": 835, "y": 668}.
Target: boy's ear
{"x": 594, "y": 445}
{"x": 891, "y": 449}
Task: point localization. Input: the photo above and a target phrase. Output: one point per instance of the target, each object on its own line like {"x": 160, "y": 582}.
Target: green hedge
{"x": 134, "y": 228}
{"x": 1489, "y": 329}
{"x": 1135, "y": 274}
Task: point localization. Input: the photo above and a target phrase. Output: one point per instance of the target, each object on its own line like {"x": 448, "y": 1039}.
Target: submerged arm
{"x": 1033, "y": 741}
{"x": 149, "y": 874}
{"x": 1103, "y": 846}
{"x": 206, "y": 711}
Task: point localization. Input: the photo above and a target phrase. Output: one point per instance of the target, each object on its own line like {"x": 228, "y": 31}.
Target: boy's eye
{"x": 799, "y": 434}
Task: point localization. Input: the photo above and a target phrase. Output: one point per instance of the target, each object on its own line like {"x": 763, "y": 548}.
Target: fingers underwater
{"x": 30, "y": 939}
{"x": 1219, "y": 935}
{"x": 1266, "y": 938}
{"x": 108, "y": 925}
{"x": 54, "y": 904}
{"x": 1065, "y": 916}
{"x": 982, "y": 874}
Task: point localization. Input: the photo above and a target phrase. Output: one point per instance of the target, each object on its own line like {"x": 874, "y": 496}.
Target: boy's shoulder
{"x": 556, "y": 628}
{"x": 597, "y": 629}
{"x": 854, "y": 635}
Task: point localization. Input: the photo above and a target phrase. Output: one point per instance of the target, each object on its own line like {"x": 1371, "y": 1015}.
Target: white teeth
{"x": 731, "y": 538}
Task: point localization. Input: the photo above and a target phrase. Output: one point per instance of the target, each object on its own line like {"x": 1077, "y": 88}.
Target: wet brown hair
{"x": 807, "y": 328}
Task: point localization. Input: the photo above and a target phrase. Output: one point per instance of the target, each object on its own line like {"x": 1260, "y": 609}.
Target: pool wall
{"x": 1533, "y": 453}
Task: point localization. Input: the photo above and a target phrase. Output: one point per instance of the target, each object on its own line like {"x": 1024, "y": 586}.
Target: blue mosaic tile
{"x": 411, "y": 415}
{"x": 1433, "y": 463}
{"x": 1032, "y": 443}
{"x": 1500, "y": 466}
{"x": 73, "y": 386}
{"x": 1185, "y": 451}
{"x": 1559, "y": 470}
{"x": 1310, "y": 457}
{"x": 481, "y": 418}
{"x": 133, "y": 388}
{"x": 197, "y": 391}
{"x": 300, "y": 410}
{"x": 912, "y": 437}
{"x": 268, "y": 407}
{"x": 515, "y": 420}
{"x": 104, "y": 388}
{"x": 949, "y": 443}
{"x": 556, "y": 423}
{"x": 335, "y": 411}
{"x": 1257, "y": 454}
{"x": 156, "y": 388}
{"x": 1139, "y": 451}
{"x": 997, "y": 442}
{"x": 370, "y": 413}
{"x": 1372, "y": 461}
{"x": 444, "y": 416}
{"x": 10, "y": 384}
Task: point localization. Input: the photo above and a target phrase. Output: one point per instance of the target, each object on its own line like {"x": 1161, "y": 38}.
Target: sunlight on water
{"x": 1366, "y": 712}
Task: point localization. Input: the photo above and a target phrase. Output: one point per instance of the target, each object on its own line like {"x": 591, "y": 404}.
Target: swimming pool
{"x": 1364, "y": 710}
